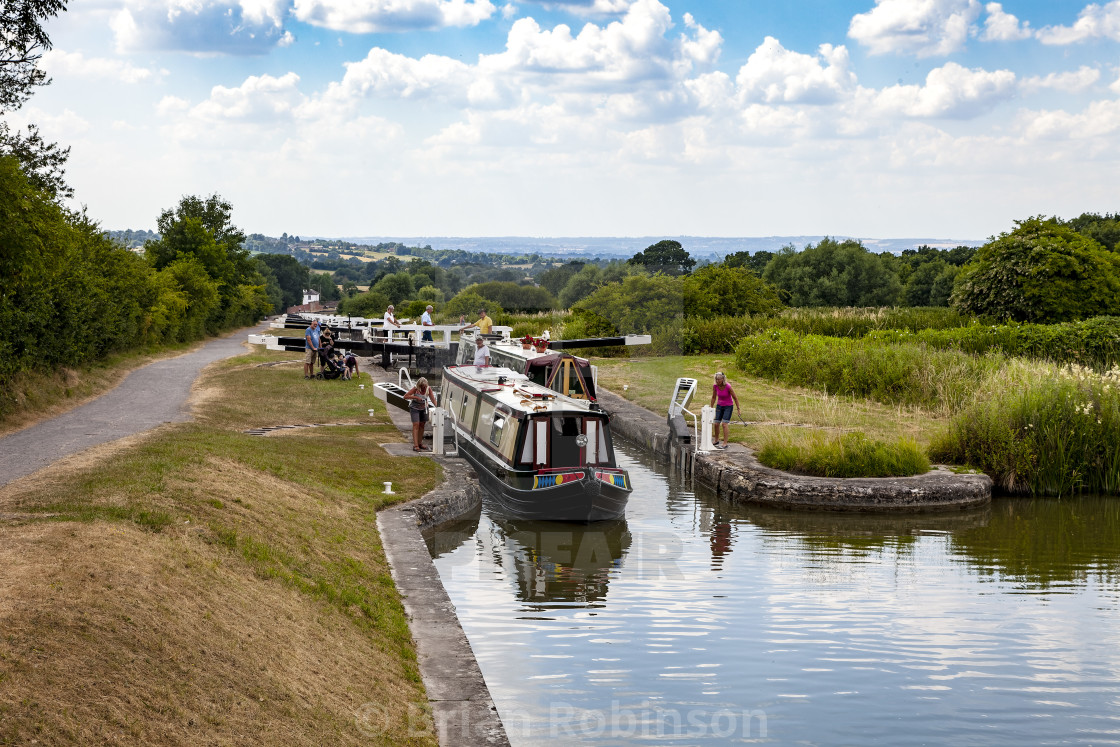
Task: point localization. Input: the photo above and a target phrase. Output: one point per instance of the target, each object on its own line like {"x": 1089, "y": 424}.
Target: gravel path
{"x": 149, "y": 396}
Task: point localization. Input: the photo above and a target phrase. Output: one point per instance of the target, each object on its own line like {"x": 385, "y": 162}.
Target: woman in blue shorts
{"x": 725, "y": 402}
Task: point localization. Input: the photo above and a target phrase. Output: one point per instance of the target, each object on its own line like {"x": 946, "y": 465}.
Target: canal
{"x": 693, "y": 621}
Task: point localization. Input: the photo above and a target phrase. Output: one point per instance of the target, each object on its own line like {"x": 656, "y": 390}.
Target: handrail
{"x": 403, "y": 376}
{"x": 695, "y": 429}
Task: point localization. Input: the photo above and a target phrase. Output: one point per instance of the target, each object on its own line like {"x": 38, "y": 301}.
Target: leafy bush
{"x": 467, "y": 303}
{"x": 833, "y": 274}
{"x": 370, "y": 305}
{"x": 1040, "y": 272}
{"x": 845, "y": 455}
{"x": 1041, "y": 429}
{"x": 942, "y": 381}
{"x": 717, "y": 290}
{"x": 637, "y": 304}
{"x": 514, "y": 297}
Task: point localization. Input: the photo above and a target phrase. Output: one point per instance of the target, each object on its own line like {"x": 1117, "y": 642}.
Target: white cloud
{"x": 774, "y": 74}
{"x": 921, "y": 27}
{"x": 1099, "y": 119}
{"x": 201, "y": 26}
{"x": 951, "y": 91}
{"x": 370, "y": 16}
{"x": 1094, "y": 22}
{"x": 1071, "y": 82}
{"x": 587, "y": 7}
{"x": 260, "y": 98}
{"x": 75, "y": 64}
{"x": 1002, "y": 26}
{"x": 1115, "y": 87}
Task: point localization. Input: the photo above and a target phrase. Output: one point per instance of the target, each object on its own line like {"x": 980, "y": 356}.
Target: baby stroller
{"x": 331, "y": 364}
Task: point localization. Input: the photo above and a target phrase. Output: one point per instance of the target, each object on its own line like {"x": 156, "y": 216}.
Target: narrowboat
{"x": 540, "y": 454}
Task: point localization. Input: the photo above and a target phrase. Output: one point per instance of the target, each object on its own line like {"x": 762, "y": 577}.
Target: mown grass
{"x": 274, "y": 534}
{"x": 845, "y": 455}
{"x": 771, "y": 408}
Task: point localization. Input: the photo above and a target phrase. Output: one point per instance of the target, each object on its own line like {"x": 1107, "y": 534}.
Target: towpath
{"x": 149, "y": 396}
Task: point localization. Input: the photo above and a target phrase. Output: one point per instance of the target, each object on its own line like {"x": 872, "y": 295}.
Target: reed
{"x": 941, "y": 382}
{"x": 1041, "y": 429}
{"x": 844, "y": 455}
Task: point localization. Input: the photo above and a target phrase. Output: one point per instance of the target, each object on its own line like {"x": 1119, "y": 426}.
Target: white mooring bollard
{"x": 438, "y": 418}
{"x": 707, "y": 420}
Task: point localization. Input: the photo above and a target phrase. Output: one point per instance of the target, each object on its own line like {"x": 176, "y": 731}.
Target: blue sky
{"x": 871, "y": 118}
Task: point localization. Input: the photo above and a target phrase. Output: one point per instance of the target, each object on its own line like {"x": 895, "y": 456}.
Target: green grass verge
{"x": 845, "y": 455}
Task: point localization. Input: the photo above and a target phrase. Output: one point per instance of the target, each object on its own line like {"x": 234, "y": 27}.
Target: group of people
{"x": 318, "y": 347}
{"x": 389, "y": 321}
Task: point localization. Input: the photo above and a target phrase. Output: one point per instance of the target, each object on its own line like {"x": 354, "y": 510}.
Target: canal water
{"x": 693, "y": 621}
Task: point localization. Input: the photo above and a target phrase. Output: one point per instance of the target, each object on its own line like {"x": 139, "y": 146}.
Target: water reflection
{"x": 1043, "y": 542}
{"x": 697, "y": 621}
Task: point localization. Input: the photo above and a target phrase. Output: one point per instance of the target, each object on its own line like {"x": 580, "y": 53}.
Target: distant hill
{"x": 697, "y": 246}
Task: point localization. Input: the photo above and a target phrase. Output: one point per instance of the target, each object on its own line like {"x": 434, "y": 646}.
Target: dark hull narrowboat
{"x": 541, "y": 455}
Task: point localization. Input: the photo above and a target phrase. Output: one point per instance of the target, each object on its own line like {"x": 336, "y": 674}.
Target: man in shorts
{"x": 310, "y": 348}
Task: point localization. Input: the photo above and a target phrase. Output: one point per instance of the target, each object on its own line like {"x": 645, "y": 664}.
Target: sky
{"x": 866, "y": 118}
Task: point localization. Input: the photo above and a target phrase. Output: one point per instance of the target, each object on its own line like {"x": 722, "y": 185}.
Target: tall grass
{"x": 1092, "y": 342}
{"x": 941, "y": 381}
{"x": 1041, "y": 429}
{"x": 844, "y": 455}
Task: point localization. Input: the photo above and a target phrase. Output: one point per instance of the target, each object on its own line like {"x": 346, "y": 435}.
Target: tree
{"x": 290, "y": 274}
{"x": 930, "y": 284}
{"x": 370, "y": 305}
{"x": 396, "y": 287}
{"x": 639, "y": 303}
{"x": 580, "y": 285}
{"x": 22, "y": 43}
{"x": 756, "y": 262}
{"x": 718, "y": 290}
{"x": 1042, "y": 271}
{"x": 467, "y": 303}
{"x": 666, "y": 256}
{"x": 202, "y": 231}
{"x": 553, "y": 280}
{"x": 515, "y": 298}
{"x": 833, "y": 274}
{"x": 1105, "y": 229}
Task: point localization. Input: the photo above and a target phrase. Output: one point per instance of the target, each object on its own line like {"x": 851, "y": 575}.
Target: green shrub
{"x": 467, "y": 303}
{"x": 1041, "y": 429}
{"x": 717, "y": 290}
{"x": 845, "y": 455}
{"x": 638, "y": 303}
{"x": 938, "y": 380}
{"x": 370, "y": 305}
{"x": 1093, "y": 342}
{"x": 514, "y": 297}
{"x": 1040, "y": 272}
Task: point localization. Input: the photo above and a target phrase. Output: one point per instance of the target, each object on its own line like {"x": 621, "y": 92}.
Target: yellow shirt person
{"x": 485, "y": 324}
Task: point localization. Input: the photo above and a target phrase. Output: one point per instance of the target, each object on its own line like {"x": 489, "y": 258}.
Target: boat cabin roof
{"x": 513, "y": 389}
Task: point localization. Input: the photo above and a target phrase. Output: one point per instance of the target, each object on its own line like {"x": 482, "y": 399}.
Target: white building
{"x": 310, "y": 296}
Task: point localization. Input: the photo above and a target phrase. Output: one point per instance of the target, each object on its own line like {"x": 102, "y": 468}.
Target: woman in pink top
{"x": 725, "y": 402}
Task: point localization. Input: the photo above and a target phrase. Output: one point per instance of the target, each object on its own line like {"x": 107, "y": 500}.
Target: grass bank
{"x": 773, "y": 410}
{"x": 207, "y": 586}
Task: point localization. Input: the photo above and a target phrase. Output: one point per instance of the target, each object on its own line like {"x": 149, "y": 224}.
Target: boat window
{"x": 565, "y": 447}
{"x": 541, "y": 427}
{"x": 451, "y": 400}
{"x": 463, "y": 407}
{"x": 497, "y": 430}
{"x": 604, "y": 445}
{"x": 528, "y": 447}
{"x": 591, "y": 450}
